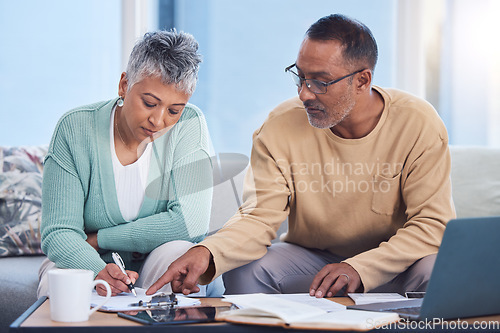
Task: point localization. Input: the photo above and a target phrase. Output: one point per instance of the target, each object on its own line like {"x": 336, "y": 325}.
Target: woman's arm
{"x": 62, "y": 228}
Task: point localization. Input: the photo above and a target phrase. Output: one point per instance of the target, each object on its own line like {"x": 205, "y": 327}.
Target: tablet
{"x": 169, "y": 316}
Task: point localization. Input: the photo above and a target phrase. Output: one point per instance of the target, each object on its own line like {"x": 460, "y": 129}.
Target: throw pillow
{"x": 20, "y": 200}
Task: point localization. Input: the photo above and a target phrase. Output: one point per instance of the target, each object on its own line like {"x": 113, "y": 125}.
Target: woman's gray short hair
{"x": 170, "y": 55}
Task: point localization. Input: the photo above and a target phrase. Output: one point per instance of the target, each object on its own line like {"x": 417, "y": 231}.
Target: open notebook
{"x": 301, "y": 311}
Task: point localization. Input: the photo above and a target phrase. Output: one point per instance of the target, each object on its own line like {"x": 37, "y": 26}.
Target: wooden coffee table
{"x": 37, "y": 319}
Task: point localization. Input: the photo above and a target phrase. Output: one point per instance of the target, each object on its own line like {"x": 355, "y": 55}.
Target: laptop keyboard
{"x": 413, "y": 310}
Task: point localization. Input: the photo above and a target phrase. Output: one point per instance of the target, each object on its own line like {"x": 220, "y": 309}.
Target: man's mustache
{"x": 312, "y": 105}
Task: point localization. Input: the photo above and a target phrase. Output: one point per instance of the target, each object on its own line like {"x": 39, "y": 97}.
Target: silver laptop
{"x": 465, "y": 280}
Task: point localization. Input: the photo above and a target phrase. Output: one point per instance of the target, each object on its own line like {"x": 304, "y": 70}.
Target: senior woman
{"x": 131, "y": 175}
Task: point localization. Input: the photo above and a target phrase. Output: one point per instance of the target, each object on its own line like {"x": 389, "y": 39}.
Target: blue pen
{"x": 119, "y": 262}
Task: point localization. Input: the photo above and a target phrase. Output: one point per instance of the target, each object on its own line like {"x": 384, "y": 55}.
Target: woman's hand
{"x": 92, "y": 240}
{"x": 118, "y": 281}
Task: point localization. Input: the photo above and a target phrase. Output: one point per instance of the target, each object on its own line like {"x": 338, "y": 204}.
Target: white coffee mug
{"x": 69, "y": 294}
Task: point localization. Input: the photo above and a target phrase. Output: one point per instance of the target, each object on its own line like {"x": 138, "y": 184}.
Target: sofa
{"x": 475, "y": 180}
{"x": 20, "y": 215}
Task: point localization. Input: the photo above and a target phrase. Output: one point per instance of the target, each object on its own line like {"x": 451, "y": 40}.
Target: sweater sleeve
{"x": 246, "y": 236}
{"x": 62, "y": 227}
{"x": 426, "y": 191}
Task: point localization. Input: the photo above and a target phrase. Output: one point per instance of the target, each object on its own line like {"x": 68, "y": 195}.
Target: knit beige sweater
{"x": 382, "y": 200}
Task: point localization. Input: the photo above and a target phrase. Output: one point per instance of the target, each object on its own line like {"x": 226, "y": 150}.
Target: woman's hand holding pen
{"x": 118, "y": 278}
{"x": 118, "y": 281}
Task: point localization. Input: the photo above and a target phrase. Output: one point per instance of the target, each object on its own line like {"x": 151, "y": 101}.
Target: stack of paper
{"x": 123, "y": 301}
{"x": 361, "y": 298}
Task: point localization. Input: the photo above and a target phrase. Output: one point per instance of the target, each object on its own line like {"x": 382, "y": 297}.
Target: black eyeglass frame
{"x": 322, "y": 84}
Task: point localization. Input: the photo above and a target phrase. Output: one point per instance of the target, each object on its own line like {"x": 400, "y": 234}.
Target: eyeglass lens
{"x": 314, "y": 86}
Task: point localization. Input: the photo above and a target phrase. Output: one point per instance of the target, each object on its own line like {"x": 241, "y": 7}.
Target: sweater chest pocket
{"x": 386, "y": 194}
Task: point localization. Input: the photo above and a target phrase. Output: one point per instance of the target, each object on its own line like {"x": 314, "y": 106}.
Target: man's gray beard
{"x": 327, "y": 123}
{"x": 324, "y": 124}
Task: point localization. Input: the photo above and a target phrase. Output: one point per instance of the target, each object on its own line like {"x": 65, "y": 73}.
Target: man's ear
{"x": 123, "y": 85}
{"x": 364, "y": 80}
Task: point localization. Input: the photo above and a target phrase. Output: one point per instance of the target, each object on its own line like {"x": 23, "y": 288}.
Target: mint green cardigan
{"x": 79, "y": 192}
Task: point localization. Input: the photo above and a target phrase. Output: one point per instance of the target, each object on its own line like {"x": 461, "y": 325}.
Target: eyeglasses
{"x": 315, "y": 86}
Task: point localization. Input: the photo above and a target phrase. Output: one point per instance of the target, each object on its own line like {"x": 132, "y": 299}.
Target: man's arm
{"x": 246, "y": 236}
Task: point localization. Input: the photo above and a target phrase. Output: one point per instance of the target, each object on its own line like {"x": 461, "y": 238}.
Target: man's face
{"x": 323, "y": 61}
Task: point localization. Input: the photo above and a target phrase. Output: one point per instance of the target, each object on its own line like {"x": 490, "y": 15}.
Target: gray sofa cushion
{"x": 18, "y": 281}
{"x": 475, "y": 180}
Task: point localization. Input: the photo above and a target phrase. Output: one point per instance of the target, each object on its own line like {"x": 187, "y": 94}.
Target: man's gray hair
{"x": 170, "y": 55}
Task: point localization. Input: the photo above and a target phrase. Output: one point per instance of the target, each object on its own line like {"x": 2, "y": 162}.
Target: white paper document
{"x": 321, "y": 303}
{"x": 368, "y": 298}
{"x": 121, "y": 302}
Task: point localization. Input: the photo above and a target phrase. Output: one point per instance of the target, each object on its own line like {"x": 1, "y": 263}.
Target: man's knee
{"x": 245, "y": 279}
{"x": 285, "y": 268}
{"x": 415, "y": 278}
{"x": 254, "y": 277}
{"x": 417, "y": 275}
{"x": 422, "y": 269}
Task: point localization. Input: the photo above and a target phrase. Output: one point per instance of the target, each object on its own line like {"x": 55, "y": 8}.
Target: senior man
{"x": 361, "y": 172}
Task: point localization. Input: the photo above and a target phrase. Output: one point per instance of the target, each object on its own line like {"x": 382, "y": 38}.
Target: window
{"x": 246, "y": 46}
{"x": 469, "y": 68}
{"x": 448, "y": 55}
{"x": 56, "y": 55}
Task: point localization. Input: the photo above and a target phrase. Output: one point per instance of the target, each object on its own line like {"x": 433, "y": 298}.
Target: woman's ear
{"x": 123, "y": 85}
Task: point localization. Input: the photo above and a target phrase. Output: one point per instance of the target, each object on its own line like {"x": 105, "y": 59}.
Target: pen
{"x": 119, "y": 262}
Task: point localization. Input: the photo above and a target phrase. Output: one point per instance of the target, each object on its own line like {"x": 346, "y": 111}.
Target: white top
{"x": 130, "y": 180}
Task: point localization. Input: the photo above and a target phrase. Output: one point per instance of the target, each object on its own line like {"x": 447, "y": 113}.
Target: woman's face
{"x": 149, "y": 108}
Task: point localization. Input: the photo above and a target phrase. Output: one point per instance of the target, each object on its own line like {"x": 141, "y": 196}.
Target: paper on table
{"x": 122, "y": 301}
{"x": 368, "y": 298}
{"x": 321, "y": 303}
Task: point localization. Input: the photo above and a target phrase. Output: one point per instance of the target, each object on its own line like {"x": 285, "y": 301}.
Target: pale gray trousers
{"x": 153, "y": 268}
{"x": 287, "y": 268}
